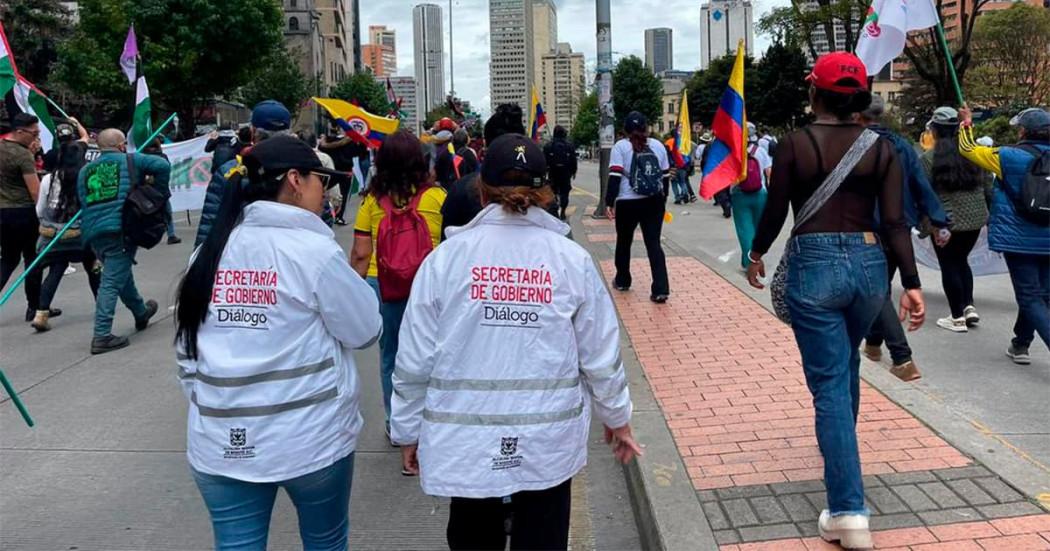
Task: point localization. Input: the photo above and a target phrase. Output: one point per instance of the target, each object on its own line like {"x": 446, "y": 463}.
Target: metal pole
{"x": 606, "y": 134}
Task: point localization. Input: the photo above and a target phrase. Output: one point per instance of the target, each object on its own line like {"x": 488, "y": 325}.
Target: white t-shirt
{"x": 765, "y": 162}
{"x": 620, "y": 162}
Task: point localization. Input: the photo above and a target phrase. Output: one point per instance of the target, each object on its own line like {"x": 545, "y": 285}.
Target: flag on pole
{"x": 141, "y": 123}
{"x": 886, "y": 28}
{"x": 727, "y": 160}
{"x": 31, "y": 100}
{"x": 8, "y": 70}
{"x": 359, "y": 125}
{"x": 129, "y": 58}
{"x": 537, "y": 117}
{"x": 683, "y": 133}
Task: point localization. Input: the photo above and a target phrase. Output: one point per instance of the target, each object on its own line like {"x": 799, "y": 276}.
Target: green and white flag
{"x": 8, "y": 74}
{"x": 886, "y": 28}
{"x": 31, "y": 100}
{"x": 141, "y": 123}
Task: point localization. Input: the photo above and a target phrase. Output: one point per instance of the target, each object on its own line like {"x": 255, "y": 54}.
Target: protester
{"x": 560, "y": 155}
{"x": 402, "y": 183}
{"x": 748, "y": 198}
{"x": 722, "y": 198}
{"x": 920, "y": 202}
{"x": 102, "y": 188}
{"x": 465, "y": 160}
{"x": 19, "y": 188}
{"x": 68, "y": 132}
{"x": 965, "y": 192}
{"x": 508, "y": 335}
{"x": 636, "y": 195}
{"x": 680, "y": 174}
{"x": 344, "y": 151}
{"x": 157, "y": 150}
{"x": 267, "y": 316}
{"x": 56, "y": 205}
{"x": 1013, "y": 229}
{"x": 223, "y": 145}
{"x": 444, "y": 172}
{"x": 332, "y": 195}
{"x": 836, "y": 278}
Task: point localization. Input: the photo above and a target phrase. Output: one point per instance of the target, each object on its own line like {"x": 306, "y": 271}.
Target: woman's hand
{"x": 965, "y": 115}
{"x": 409, "y": 459}
{"x": 755, "y": 270}
{"x": 610, "y": 213}
{"x": 913, "y": 309}
{"x": 623, "y": 444}
{"x": 941, "y": 237}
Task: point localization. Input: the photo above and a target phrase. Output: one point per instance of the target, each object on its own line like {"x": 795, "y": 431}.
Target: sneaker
{"x": 872, "y": 352}
{"x": 151, "y": 310}
{"x": 54, "y": 312}
{"x": 109, "y": 343}
{"x": 851, "y": 531}
{"x": 659, "y": 299}
{"x": 621, "y": 287}
{"x": 956, "y": 325}
{"x": 1018, "y": 355}
{"x": 906, "y": 371}
{"x": 174, "y": 240}
{"x": 692, "y": 198}
{"x": 386, "y": 431}
{"x": 40, "y": 321}
{"x": 678, "y": 201}
{"x": 727, "y": 214}
{"x": 971, "y": 316}
{"x": 340, "y": 222}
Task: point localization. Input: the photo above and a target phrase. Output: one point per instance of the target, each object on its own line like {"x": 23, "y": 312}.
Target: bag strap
{"x": 132, "y": 175}
{"x": 838, "y": 175}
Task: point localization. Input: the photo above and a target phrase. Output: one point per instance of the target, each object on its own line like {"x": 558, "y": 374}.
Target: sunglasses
{"x": 326, "y": 179}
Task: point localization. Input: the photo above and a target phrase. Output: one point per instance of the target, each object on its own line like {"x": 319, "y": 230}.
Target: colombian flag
{"x": 358, "y": 122}
{"x": 537, "y": 118}
{"x": 683, "y": 133}
{"x": 727, "y": 162}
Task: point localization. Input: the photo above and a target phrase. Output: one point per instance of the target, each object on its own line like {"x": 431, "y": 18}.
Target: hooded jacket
{"x": 103, "y": 186}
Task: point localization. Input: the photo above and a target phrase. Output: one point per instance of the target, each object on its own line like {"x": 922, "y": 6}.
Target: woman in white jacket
{"x": 268, "y": 315}
{"x": 509, "y": 336}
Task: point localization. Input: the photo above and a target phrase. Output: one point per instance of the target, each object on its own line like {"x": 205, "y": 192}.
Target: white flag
{"x": 886, "y": 28}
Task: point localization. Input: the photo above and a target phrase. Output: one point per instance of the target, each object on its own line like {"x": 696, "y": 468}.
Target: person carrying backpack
{"x": 106, "y": 188}
{"x": 1019, "y": 226}
{"x": 561, "y": 167}
{"x": 748, "y": 198}
{"x": 398, "y": 224}
{"x": 636, "y": 194}
{"x": 465, "y": 161}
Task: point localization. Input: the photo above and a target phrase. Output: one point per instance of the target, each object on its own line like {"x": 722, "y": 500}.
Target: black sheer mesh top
{"x": 805, "y": 158}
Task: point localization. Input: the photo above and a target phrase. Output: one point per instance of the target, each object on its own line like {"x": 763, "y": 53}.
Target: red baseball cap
{"x": 831, "y": 68}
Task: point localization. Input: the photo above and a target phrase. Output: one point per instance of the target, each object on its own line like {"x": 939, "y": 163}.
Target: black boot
{"x": 151, "y": 310}
{"x": 109, "y": 343}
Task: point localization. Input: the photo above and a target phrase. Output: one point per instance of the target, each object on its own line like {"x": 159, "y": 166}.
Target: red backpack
{"x": 753, "y": 182}
{"x": 401, "y": 245}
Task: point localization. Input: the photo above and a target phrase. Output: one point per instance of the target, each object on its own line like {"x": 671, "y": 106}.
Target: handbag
{"x": 778, "y": 287}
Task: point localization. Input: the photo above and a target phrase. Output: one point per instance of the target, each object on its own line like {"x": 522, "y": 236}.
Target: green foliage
{"x": 34, "y": 29}
{"x": 1007, "y": 69}
{"x": 998, "y": 128}
{"x": 796, "y": 25}
{"x": 780, "y": 94}
{"x": 706, "y": 87}
{"x": 437, "y": 114}
{"x": 585, "y": 129}
{"x": 279, "y": 78}
{"x": 365, "y": 90}
{"x": 635, "y": 88}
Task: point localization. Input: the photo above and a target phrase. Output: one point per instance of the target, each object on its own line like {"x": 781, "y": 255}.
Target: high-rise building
{"x": 428, "y": 41}
{"x": 723, "y": 23}
{"x": 375, "y": 57}
{"x": 382, "y": 36}
{"x": 564, "y": 85}
{"x": 544, "y": 41}
{"x": 659, "y": 52}
{"x": 337, "y": 36}
{"x": 353, "y": 25}
{"x": 405, "y": 90}
{"x": 511, "y": 65}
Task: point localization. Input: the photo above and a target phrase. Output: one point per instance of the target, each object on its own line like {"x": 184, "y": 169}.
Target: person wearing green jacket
{"x": 103, "y": 186}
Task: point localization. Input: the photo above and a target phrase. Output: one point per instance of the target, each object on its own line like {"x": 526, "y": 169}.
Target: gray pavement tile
{"x": 715, "y": 516}
{"x": 916, "y": 477}
{"x": 957, "y": 473}
{"x": 898, "y": 520}
{"x": 1003, "y": 510}
{"x": 770, "y": 532}
{"x": 998, "y": 489}
{"x": 706, "y": 495}
{"x": 885, "y": 501}
{"x": 801, "y": 487}
{"x": 737, "y": 492}
{"x": 726, "y": 537}
{"x": 768, "y": 510}
{"x": 949, "y": 516}
{"x": 914, "y": 498}
{"x": 808, "y": 529}
{"x": 798, "y": 507}
{"x": 739, "y": 513}
{"x": 819, "y": 500}
{"x": 871, "y": 480}
{"x": 970, "y": 492}
{"x": 942, "y": 495}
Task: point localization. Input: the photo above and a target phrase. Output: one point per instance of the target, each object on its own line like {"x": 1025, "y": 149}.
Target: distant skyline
{"x": 575, "y": 26}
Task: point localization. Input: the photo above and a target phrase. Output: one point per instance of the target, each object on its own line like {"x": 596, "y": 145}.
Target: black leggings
{"x": 19, "y": 230}
{"x": 956, "y": 276}
{"x": 649, "y": 214}
{"x": 538, "y": 520}
{"x": 57, "y": 269}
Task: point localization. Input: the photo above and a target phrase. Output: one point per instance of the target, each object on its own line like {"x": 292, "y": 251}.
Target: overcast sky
{"x": 576, "y": 26}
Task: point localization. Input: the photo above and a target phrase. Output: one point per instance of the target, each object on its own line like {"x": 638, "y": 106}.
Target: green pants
{"x": 117, "y": 282}
{"x": 747, "y": 211}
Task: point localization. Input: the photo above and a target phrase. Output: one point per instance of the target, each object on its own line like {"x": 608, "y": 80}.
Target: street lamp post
{"x": 606, "y": 133}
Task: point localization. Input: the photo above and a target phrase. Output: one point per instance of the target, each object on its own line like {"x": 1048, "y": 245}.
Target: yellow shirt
{"x": 370, "y": 214}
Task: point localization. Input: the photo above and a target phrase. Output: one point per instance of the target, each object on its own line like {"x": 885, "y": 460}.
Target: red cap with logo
{"x": 831, "y": 68}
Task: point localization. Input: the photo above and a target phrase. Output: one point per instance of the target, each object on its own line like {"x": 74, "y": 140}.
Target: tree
{"x": 585, "y": 130}
{"x": 279, "y": 78}
{"x": 635, "y": 88}
{"x": 780, "y": 94}
{"x": 1008, "y": 70}
{"x": 706, "y": 88}
{"x": 363, "y": 89}
{"x": 438, "y": 113}
{"x": 36, "y": 27}
{"x": 191, "y": 51}
{"x": 926, "y": 54}
{"x": 800, "y": 23}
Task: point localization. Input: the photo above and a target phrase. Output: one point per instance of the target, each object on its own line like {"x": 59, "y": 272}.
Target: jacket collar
{"x": 495, "y": 215}
{"x": 278, "y": 215}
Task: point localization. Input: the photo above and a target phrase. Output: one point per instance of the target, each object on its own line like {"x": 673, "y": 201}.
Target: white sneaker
{"x": 851, "y": 531}
{"x": 957, "y": 325}
{"x": 971, "y": 316}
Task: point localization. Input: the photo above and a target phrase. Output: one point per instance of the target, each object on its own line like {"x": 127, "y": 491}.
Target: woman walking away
{"x": 508, "y": 336}
{"x": 636, "y": 194}
{"x": 965, "y": 190}
{"x": 56, "y": 205}
{"x": 268, "y": 315}
{"x": 833, "y": 173}
{"x": 402, "y": 187}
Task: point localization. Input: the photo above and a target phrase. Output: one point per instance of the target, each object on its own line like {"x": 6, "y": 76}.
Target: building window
{"x": 293, "y": 3}
{"x": 293, "y": 23}
{"x": 670, "y": 108}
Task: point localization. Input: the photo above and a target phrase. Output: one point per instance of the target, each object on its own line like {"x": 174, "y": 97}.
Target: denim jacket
{"x": 919, "y": 198}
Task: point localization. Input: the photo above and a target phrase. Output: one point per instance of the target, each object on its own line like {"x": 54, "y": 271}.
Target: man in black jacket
{"x": 561, "y": 167}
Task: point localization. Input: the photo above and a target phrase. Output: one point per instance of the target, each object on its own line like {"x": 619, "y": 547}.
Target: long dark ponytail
{"x": 951, "y": 171}
{"x": 67, "y": 167}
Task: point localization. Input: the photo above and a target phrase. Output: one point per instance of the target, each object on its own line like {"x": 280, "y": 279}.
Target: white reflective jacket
{"x": 508, "y": 337}
{"x": 273, "y": 393}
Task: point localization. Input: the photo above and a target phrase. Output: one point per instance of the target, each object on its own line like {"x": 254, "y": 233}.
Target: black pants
{"x": 538, "y": 520}
{"x": 887, "y": 327}
{"x": 649, "y": 214}
{"x": 956, "y": 276}
{"x": 19, "y": 230}
{"x": 344, "y": 189}
{"x": 562, "y": 188}
{"x": 57, "y": 268}
{"x": 723, "y": 199}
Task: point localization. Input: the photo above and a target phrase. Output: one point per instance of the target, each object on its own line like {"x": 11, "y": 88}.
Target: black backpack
{"x": 143, "y": 216}
{"x": 1033, "y": 203}
{"x": 561, "y": 156}
{"x": 646, "y": 174}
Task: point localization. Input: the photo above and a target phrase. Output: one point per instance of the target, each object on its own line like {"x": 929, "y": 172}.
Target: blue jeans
{"x": 391, "y": 312}
{"x": 240, "y": 511}
{"x": 680, "y": 185}
{"x": 1030, "y": 276}
{"x": 169, "y": 219}
{"x": 117, "y": 282}
{"x": 836, "y": 284}
{"x": 747, "y": 211}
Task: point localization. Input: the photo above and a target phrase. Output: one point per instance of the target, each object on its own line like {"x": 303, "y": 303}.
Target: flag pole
{"x": 951, "y": 63}
{"x": 14, "y": 398}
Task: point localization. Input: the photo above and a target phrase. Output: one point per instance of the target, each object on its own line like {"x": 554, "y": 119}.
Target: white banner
{"x": 190, "y": 173}
{"x": 983, "y": 261}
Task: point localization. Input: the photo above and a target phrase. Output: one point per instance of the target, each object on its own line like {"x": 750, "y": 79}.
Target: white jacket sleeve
{"x": 41, "y": 195}
{"x": 416, "y": 355}
{"x": 187, "y": 369}
{"x": 348, "y": 306}
{"x": 598, "y": 340}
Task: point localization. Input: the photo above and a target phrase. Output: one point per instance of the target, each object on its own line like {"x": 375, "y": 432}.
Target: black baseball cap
{"x": 513, "y": 152}
{"x": 635, "y": 121}
{"x": 273, "y": 157}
